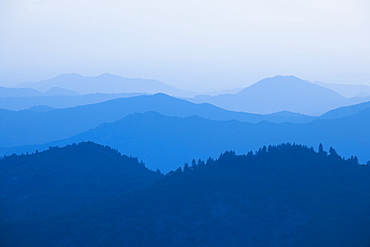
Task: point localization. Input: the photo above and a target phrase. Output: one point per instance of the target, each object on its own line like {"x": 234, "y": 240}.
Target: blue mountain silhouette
{"x": 281, "y": 93}
{"x": 165, "y": 142}
{"x": 33, "y": 127}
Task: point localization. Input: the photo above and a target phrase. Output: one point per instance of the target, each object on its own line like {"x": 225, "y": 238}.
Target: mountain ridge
{"x": 105, "y": 83}
{"x": 284, "y": 195}
{"x": 26, "y": 127}
{"x": 148, "y": 135}
{"x": 281, "y": 93}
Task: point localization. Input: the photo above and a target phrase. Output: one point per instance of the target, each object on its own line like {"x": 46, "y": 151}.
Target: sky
{"x": 198, "y": 45}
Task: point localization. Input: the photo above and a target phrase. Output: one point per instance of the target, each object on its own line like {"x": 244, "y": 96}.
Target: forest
{"x": 87, "y": 194}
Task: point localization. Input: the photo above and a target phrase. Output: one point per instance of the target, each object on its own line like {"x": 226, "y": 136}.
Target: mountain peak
{"x": 108, "y": 75}
{"x": 67, "y": 76}
{"x": 58, "y": 91}
{"x": 282, "y": 80}
{"x": 285, "y": 77}
{"x": 280, "y": 93}
{"x": 282, "y": 83}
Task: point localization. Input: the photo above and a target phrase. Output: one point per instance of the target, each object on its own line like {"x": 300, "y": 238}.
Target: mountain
{"x": 347, "y": 90}
{"x": 226, "y": 91}
{"x": 22, "y": 103}
{"x": 147, "y": 135}
{"x": 64, "y": 180}
{"x": 201, "y": 137}
{"x": 57, "y": 91}
{"x": 279, "y": 93}
{"x": 259, "y": 98}
{"x": 151, "y": 135}
{"x": 107, "y": 84}
{"x": 6, "y": 92}
{"x": 285, "y": 195}
{"x": 41, "y": 108}
{"x": 363, "y": 94}
{"x": 346, "y": 111}
{"x": 18, "y": 92}
{"x": 32, "y": 127}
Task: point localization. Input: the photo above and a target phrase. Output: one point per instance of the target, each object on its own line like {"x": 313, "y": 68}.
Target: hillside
{"x": 147, "y": 135}
{"x": 346, "y": 111}
{"x": 57, "y": 91}
{"x": 18, "y": 92}
{"x": 63, "y": 180}
{"x": 151, "y": 135}
{"x": 286, "y": 195}
{"x": 62, "y": 101}
{"x": 26, "y": 127}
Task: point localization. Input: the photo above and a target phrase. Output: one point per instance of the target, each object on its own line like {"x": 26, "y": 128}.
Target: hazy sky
{"x": 190, "y": 44}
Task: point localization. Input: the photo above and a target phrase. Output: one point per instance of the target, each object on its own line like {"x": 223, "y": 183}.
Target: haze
{"x": 194, "y": 45}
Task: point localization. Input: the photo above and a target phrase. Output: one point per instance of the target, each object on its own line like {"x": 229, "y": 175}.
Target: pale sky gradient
{"x": 190, "y": 44}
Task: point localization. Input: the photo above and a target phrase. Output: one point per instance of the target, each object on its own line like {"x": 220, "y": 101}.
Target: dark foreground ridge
{"x": 61, "y": 180}
{"x": 286, "y": 195}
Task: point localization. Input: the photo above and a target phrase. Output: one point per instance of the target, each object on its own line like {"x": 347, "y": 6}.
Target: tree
{"x": 321, "y": 149}
{"x": 186, "y": 166}
{"x": 193, "y": 163}
{"x": 332, "y": 152}
{"x": 355, "y": 160}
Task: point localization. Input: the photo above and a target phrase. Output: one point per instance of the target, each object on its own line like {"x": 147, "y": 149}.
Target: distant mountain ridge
{"x": 7, "y": 92}
{"x": 32, "y": 127}
{"x": 270, "y": 95}
{"x": 18, "y": 92}
{"x": 23, "y": 103}
{"x": 347, "y": 90}
{"x": 107, "y": 84}
{"x": 57, "y": 91}
{"x": 280, "y": 93}
{"x": 150, "y": 135}
{"x": 346, "y": 111}
{"x": 46, "y": 126}
{"x": 203, "y": 137}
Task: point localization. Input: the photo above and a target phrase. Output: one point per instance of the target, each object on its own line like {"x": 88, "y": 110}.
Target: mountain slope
{"x": 279, "y": 93}
{"x": 57, "y": 91}
{"x": 62, "y": 180}
{"x": 6, "y": 92}
{"x": 18, "y": 92}
{"x": 23, "y": 103}
{"x": 166, "y": 142}
{"x": 25, "y": 127}
{"x": 286, "y": 195}
{"x": 345, "y": 111}
{"x": 147, "y": 135}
